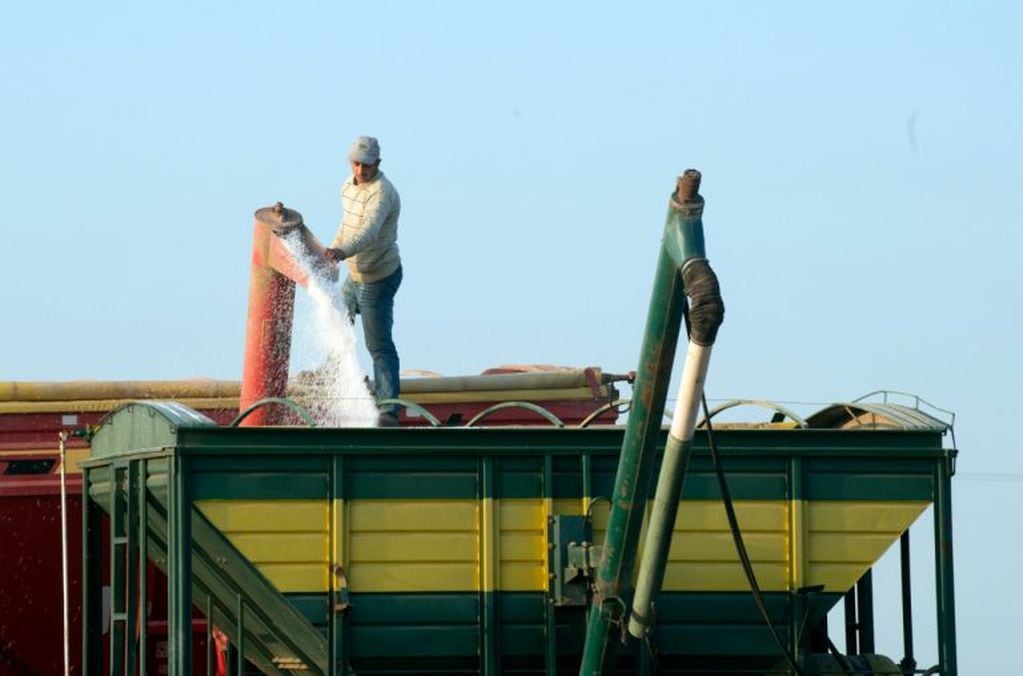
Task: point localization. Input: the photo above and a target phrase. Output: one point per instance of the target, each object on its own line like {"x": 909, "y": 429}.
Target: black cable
{"x": 703, "y": 313}
{"x": 652, "y": 655}
{"x": 740, "y": 546}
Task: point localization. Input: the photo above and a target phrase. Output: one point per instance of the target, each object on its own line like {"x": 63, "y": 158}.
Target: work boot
{"x": 387, "y": 419}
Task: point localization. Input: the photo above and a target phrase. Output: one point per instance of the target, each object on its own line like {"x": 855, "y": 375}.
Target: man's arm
{"x": 333, "y": 252}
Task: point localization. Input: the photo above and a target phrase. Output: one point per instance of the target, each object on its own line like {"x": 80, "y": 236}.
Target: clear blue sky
{"x": 861, "y": 167}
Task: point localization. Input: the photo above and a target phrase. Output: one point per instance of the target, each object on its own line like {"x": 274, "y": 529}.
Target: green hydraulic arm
{"x": 682, "y": 270}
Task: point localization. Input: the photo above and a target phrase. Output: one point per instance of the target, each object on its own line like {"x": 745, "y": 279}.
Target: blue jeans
{"x": 375, "y": 302}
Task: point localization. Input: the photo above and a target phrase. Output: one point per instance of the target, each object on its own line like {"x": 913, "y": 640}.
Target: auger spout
{"x": 682, "y": 271}
{"x": 275, "y": 271}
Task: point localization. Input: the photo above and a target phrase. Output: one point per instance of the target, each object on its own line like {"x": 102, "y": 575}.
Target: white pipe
{"x": 63, "y": 550}
{"x": 652, "y": 564}
{"x": 690, "y": 392}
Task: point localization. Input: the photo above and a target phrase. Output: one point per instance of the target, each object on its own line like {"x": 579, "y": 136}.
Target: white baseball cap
{"x": 365, "y": 150}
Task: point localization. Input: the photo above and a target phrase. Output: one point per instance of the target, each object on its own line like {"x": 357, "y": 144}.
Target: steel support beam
{"x": 92, "y": 580}
{"x": 943, "y": 565}
{"x": 179, "y": 570}
{"x": 908, "y": 663}
{"x": 865, "y": 612}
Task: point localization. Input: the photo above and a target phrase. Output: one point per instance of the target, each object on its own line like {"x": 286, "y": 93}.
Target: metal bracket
{"x": 341, "y": 602}
{"x": 572, "y": 561}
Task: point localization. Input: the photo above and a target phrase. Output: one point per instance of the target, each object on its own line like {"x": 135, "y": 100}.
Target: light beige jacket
{"x": 368, "y": 234}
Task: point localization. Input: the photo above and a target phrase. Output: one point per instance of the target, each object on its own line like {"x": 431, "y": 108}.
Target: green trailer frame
{"x": 158, "y": 469}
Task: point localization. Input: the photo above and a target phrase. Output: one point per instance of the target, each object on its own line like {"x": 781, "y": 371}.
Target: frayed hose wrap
{"x": 706, "y": 309}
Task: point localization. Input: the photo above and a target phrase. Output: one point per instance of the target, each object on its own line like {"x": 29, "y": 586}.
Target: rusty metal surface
{"x": 279, "y": 218}
{"x": 688, "y": 186}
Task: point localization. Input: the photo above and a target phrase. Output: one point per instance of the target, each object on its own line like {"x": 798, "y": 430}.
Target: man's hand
{"x": 334, "y": 255}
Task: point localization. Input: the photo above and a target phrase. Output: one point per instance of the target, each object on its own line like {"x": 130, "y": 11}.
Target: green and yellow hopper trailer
{"x": 517, "y": 550}
{"x": 470, "y": 550}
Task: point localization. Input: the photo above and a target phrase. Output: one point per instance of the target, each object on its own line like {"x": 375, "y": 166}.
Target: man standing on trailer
{"x": 367, "y": 240}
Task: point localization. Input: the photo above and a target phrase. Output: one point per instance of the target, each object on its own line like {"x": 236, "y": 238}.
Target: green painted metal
{"x": 797, "y": 610}
{"x": 118, "y": 593}
{"x": 133, "y": 571}
{"x": 865, "y": 611}
{"x": 711, "y": 623}
{"x": 210, "y": 647}
{"x": 682, "y": 240}
{"x": 240, "y": 633}
{"x": 274, "y": 401}
{"x": 760, "y": 403}
{"x": 293, "y": 444}
{"x": 179, "y": 574}
{"x": 512, "y": 630}
{"x": 490, "y": 647}
{"x": 273, "y": 627}
{"x": 443, "y": 463}
{"x": 142, "y": 426}
{"x": 550, "y": 619}
{"x": 92, "y": 583}
{"x": 586, "y": 470}
{"x": 662, "y": 525}
{"x": 142, "y": 496}
{"x": 421, "y": 411}
{"x": 337, "y": 655}
{"x": 944, "y": 578}
{"x": 888, "y": 414}
{"x": 619, "y": 405}
{"x": 529, "y": 406}
{"x": 174, "y": 571}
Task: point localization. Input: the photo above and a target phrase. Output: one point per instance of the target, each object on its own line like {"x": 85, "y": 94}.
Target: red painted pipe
{"x": 271, "y": 310}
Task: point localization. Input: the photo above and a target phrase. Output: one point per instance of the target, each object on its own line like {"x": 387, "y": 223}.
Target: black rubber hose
{"x": 706, "y": 309}
{"x": 712, "y": 318}
{"x": 704, "y": 315}
{"x": 740, "y": 546}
